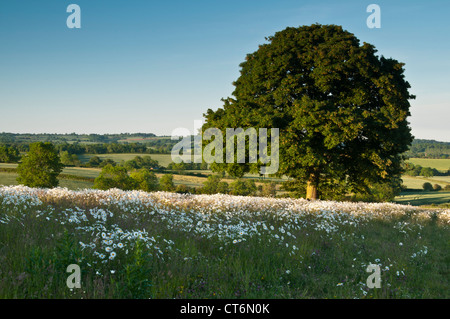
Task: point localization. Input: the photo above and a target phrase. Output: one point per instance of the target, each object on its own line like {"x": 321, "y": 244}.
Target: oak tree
{"x": 340, "y": 108}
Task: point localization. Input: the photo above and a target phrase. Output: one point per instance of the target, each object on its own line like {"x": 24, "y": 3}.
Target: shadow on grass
{"x": 419, "y": 198}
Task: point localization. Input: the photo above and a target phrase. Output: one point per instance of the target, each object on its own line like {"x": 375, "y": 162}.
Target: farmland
{"x": 439, "y": 164}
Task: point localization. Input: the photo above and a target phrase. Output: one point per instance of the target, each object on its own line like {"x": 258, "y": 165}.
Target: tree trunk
{"x": 311, "y": 189}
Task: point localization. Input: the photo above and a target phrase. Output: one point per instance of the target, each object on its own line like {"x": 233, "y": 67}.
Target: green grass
{"x": 416, "y": 182}
{"x": 439, "y": 164}
{"x": 180, "y": 257}
{"x": 422, "y": 198}
{"x": 10, "y": 179}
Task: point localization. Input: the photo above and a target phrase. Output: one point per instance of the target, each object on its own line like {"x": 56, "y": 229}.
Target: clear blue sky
{"x": 154, "y": 66}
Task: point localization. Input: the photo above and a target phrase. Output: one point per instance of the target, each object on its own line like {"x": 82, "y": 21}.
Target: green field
{"x": 416, "y": 182}
{"x": 421, "y": 198}
{"x": 10, "y": 179}
{"x": 439, "y": 164}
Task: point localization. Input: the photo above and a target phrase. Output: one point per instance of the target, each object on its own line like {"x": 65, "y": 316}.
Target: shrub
{"x": 427, "y": 187}
{"x": 166, "y": 183}
{"x": 437, "y": 187}
{"x": 114, "y": 177}
{"x": 243, "y": 187}
{"x": 145, "y": 180}
{"x": 214, "y": 185}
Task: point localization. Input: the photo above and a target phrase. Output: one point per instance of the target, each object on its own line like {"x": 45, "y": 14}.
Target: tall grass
{"x": 165, "y": 245}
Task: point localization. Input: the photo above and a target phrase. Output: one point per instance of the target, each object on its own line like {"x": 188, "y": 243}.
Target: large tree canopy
{"x": 341, "y": 110}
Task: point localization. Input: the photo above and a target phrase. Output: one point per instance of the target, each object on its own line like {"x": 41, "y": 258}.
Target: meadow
{"x": 167, "y": 245}
{"x": 439, "y": 164}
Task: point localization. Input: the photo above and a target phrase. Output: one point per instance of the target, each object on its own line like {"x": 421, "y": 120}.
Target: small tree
{"x": 40, "y": 167}
{"x": 95, "y": 161}
{"x": 223, "y": 188}
{"x": 437, "y": 187}
{"x": 243, "y": 187}
{"x": 166, "y": 183}
{"x": 9, "y": 154}
{"x": 114, "y": 177}
{"x": 427, "y": 187}
{"x": 427, "y": 172}
{"x": 145, "y": 180}
{"x": 211, "y": 184}
{"x": 68, "y": 159}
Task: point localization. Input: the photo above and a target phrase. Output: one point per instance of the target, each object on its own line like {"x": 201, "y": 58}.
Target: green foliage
{"x": 141, "y": 162}
{"x": 243, "y": 187}
{"x": 166, "y": 183}
{"x": 138, "y": 272}
{"x": 429, "y": 149}
{"x": 437, "y": 187}
{"x": 418, "y": 170}
{"x": 341, "y": 110}
{"x": 40, "y": 167}
{"x": 69, "y": 159}
{"x": 427, "y": 187}
{"x": 427, "y": 172}
{"x": 380, "y": 192}
{"x": 145, "y": 180}
{"x": 94, "y": 161}
{"x": 9, "y": 154}
{"x": 107, "y": 161}
{"x": 214, "y": 185}
{"x": 114, "y": 177}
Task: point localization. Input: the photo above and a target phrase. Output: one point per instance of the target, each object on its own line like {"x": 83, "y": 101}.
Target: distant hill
{"x": 429, "y": 149}
{"x": 18, "y": 138}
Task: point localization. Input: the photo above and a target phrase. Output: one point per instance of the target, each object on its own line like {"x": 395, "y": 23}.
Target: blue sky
{"x": 154, "y": 66}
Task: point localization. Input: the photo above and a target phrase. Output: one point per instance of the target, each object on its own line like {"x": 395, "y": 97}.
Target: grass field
{"x": 10, "y": 179}
{"x": 416, "y": 182}
{"x": 439, "y": 164}
{"x": 421, "y": 198}
{"x": 165, "y": 245}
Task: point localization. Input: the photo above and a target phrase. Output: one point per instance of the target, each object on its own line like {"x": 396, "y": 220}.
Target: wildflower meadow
{"x": 133, "y": 244}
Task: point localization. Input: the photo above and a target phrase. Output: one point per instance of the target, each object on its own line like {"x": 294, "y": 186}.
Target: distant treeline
{"x": 149, "y": 143}
{"x": 417, "y": 170}
{"x": 160, "y": 146}
{"x": 18, "y": 138}
{"x": 429, "y": 149}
